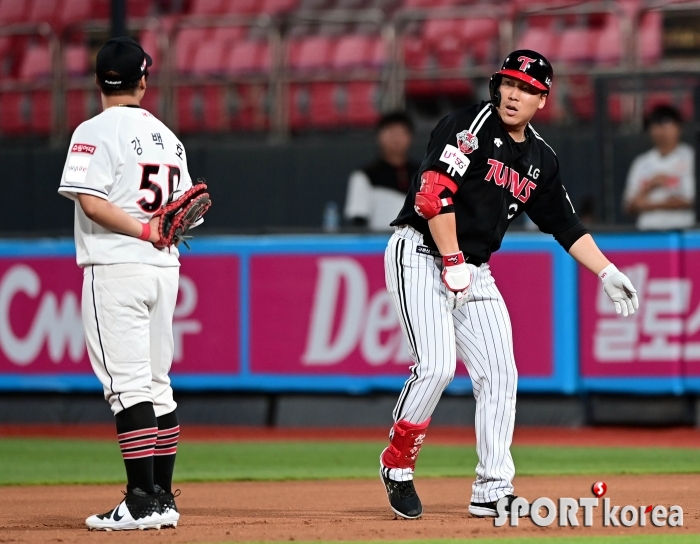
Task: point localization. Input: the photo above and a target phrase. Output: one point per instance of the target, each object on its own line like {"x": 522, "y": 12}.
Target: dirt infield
{"x": 327, "y": 510}
{"x": 675, "y": 437}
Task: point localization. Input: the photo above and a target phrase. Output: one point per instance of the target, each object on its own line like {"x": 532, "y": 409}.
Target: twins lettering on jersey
{"x": 503, "y": 176}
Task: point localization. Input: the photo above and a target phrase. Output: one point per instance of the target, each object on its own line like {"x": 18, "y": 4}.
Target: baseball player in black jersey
{"x": 485, "y": 165}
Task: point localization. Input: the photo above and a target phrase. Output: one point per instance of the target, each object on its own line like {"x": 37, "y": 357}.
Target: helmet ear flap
{"x": 494, "y": 85}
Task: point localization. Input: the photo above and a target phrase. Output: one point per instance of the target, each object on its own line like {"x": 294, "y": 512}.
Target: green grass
{"x": 41, "y": 461}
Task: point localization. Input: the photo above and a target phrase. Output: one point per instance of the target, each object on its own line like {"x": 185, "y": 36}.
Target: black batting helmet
{"x": 525, "y": 65}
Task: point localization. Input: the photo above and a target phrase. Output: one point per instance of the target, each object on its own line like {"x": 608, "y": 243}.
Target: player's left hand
{"x": 620, "y": 290}
{"x": 457, "y": 278}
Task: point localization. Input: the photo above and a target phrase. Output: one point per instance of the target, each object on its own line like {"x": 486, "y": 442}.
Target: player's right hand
{"x": 457, "y": 278}
{"x": 620, "y": 290}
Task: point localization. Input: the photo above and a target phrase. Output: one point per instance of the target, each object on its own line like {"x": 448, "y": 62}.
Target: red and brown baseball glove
{"x": 177, "y": 216}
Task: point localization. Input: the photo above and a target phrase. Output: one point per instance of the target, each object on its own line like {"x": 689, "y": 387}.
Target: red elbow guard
{"x": 435, "y": 194}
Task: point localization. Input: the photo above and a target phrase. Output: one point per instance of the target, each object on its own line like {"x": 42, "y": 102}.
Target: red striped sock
{"x": 166, "y": 444}
{"x": 166, "y": 450}
{"x": 138, "y": 444}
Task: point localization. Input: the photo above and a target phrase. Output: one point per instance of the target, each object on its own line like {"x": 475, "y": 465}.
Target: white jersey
{"x": 128, "y": 157}
{"x": 379, "y": 205}
{"x": 679, "y": 166}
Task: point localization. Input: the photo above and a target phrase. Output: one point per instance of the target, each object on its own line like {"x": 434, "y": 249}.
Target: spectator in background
{"x": 660, "y": 187}
{"x": 377, "y": 191}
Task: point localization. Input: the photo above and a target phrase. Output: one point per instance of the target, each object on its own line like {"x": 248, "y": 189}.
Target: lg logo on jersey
{"x": 506, "y": 177}
{"x": 57, "y": 324}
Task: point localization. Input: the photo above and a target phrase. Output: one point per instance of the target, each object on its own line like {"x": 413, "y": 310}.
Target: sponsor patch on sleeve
{"x": 77, "y": 168}
{"x": 457, "y": 160}
{"x": 83, "y": 148}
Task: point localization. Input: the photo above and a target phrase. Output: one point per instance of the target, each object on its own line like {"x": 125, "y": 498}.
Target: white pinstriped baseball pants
{"x": 480, "y": 332}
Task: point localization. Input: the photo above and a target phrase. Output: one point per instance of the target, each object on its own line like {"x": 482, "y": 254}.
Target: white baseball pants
{"x": 127, "y": 314}
{"x": 480, "y": 332}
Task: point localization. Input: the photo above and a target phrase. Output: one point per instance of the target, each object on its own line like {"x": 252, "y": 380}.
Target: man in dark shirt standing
{"x": 485, "y": 165}
{"x": 377, "y": 191}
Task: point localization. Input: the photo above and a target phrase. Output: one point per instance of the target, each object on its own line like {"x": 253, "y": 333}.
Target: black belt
{"x": 425, "y": 250}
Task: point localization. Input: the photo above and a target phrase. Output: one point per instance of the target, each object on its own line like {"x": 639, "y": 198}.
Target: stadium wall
{"x": 258, "y": 186}
{"x": 310, "y": 314}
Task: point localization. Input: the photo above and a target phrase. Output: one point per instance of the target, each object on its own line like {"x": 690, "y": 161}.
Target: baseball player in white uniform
{"x": 485, "y": 165}
{"x": 121, "y": 167}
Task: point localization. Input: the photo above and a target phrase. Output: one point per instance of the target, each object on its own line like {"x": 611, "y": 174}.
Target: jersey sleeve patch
{"x": 457, "y": 161}
{"x": 77, "y": 168}
{"x": 83, "y": 148}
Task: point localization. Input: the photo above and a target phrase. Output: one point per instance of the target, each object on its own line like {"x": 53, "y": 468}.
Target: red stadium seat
{"x": 477, "y": 28}
{"x": 14, "y": 113}
{"x": 581, "y": 97}
{"x": 299, "y": 106}
{"x": 415, "y": 53}
{"x": 76, "y": 108}
{"x": 450, "y": 53}
{"x": 363, "y": 101}
{"x": 246, "y": 107}
{"x": 377, "y": 53}
{"x": 608, "y": 46}
{"x": 189, "y": 104}
{"x": 45, "y": 10}
{"x": 649, "y": 44}
{"x": 352, "y": 52}
{"x": 209, "y": 58}
{"x": 10, "y": 54}
{"x": 324, "y": 105}
{"x": 36, "y": 63}
{"x": 12, "y": 11}
{"x": 75, "y": 12}
{"x": 186, "y": 44}
{"x": 278, "y": 6}
{"x": 248, "y": 57}
{"x": 200, "y": 109}
{"x": 240, "y": 6}
{"x": 137, "y": 9}
{"x": 436, "y": 30}
{"x": 310, "y": 53}
{"x": 77, "y": 60}
{"x": 577, "y": 45}
{"x": 542, "y": 40}
{"x": 208, "y": 7}
{"x": 41, "y": 112}
{"x": 228, "y": 35}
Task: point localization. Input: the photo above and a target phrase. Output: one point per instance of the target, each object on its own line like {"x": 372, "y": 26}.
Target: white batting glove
{"x": 620, "y": 290}
{"x": 457, "y": 278}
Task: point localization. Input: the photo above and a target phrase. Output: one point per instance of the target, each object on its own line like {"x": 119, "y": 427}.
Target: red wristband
{"x": 145, "y": 232}
{"x": 453, "y": 259}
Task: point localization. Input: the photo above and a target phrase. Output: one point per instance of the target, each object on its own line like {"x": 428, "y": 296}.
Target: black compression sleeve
{"x": 568, "y": 237}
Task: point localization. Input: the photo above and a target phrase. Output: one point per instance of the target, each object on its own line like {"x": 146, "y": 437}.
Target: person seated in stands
{"x": 377, "y": 191}
{"x": 660, "y": 187}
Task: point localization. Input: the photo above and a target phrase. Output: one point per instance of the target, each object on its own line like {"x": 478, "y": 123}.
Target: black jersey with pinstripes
{"x": 497, "y": 180}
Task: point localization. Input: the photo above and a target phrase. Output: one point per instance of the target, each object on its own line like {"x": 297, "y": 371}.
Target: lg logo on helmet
{"x": 525, "y": 62}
